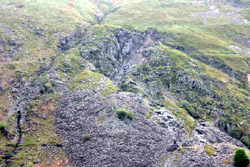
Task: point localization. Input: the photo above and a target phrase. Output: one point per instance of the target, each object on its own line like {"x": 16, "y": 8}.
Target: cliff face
{"x": 123, "y": 83}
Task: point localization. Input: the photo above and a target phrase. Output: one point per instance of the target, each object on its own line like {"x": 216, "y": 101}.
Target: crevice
{"x": 15, "y": 150}
{"x": 52, "y": 145}
{"x": 100, "y": 20}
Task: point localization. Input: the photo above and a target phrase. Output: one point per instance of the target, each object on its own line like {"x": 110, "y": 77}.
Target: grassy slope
{"x": 200, "y": 30}
{"x": 21, "y": 19}
{"x": 187, "y": 28}
{"x": 40, "y": 25}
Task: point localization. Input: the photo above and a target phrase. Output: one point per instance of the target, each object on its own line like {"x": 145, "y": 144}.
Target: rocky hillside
{"x": 124, "y": 83}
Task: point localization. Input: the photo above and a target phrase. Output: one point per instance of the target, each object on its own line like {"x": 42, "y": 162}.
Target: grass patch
{"x": 70, "y": 65}
{"x": 3, "y": 125}
{"x": 11, "y": 66}
{"x": 141, "y": 15}
{"x": 86, "y": 80}
{"x": 215, "y": 74}
{"x": 93, "y": 80}
{"x": 148, "y": 115}
{"x": 29, "y": 141}
{"x": 209, "y": 149}
{"x": 109, "y": 88}
{"x": 100, "y": 119}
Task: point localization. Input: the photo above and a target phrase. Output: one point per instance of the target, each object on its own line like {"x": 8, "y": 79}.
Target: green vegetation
{"x": 39, "y": 114}
{"x": 11, "y": 66}
{"x": 209, "y": 149}
{"x": 30, "y": 141}
{"x": 199, "y": 85}
{"x": 69, "y": 65}
{"x": 215, "y": 74}
{"x": 86, "y": 137}
{"x": 44, "y": 84}
{"x": 141, "y": 15}
{"x": 109, "y": 88}
{"x": 236, "y": 133}
{"x": 92, "y": 80}
{"x": 240, "y": 158}
{"x": 86, "y": 80}
{"x": 187, "y": 106}
{"x": 101, "y": 119}
{"x": 148, "y": 115}
{"x": 2, "y": 125}
{"x": 245, "y": 140}
{"x": 124, "y": 114}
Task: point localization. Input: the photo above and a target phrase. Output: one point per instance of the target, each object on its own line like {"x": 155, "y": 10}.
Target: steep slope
{"x": 123, "y": 83}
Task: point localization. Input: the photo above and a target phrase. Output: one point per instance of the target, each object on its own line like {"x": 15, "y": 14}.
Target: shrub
{"x": 86, "y": 136}
{"x": 123, "y": 114}
{"x": 11, "y": 66}
{"x": 123, "y": 86}
{"x": 236, "y": 133}
{"x": 240, "y": 158}
{"x": 44, "y": 84}
{"x": 3, "y": 130}
{"x": 190, "y": 109}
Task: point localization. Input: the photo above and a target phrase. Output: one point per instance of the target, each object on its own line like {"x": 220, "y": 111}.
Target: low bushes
{"x": 124, "y": 114}
{"x": 86, "y": 137}
{"x": 240, "y": 158}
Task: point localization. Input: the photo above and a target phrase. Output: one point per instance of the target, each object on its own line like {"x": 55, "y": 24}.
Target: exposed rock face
{"x": 198, "y": 157}
{"x": 209, "y": 147}
{"x": 136, "y": 142}
{"x": 113, "y": 142}
{"x": 114, "y": 56}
